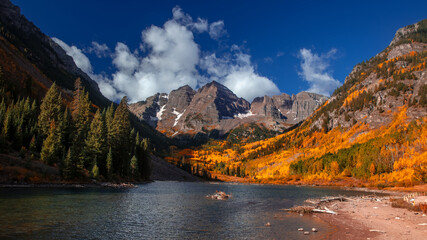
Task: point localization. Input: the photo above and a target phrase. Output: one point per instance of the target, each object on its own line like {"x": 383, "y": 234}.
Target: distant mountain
{"x": 214, "y": 110}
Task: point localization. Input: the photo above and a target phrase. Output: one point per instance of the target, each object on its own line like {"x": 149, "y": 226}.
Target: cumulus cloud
{"x": 314, "y": 71}
{"x": 238, "y": 74}
{"x": 80, "y": 59}
{"x": 171, "y": 58}
{"x": 170, "y": 64}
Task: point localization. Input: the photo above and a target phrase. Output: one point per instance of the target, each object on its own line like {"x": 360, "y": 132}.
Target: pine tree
{"x": 134, "y": 167}
{"x": 2, "y": 113}
{"x": 95, "y": 170}
{"x": 66, "y": 129}
{"x": 95, "y": 144}
{"x": 109, "y": 118}
{"x": 80, "y": 113}
{"x": 110, "y": 163}
{"x": 50, "y": 110}
{"x": 145, "y": 159}
{"x": 7, "y": 124}
{"x": 51, "y": 150}
{"x": 75, "y": 104}
{"x": 121, "y": 138}
{"x": 68, "y": 171}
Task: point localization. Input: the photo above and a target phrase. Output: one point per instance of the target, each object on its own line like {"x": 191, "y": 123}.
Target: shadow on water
{"x": 165, "y": 210}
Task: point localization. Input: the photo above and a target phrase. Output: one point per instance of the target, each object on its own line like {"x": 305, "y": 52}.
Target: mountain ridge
{"x": 213, "y": 110}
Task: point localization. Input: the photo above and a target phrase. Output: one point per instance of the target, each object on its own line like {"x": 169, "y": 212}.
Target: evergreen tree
{"x": 110, "y": 163}
{"x": 2, "y": 113}
{"x": 51, "y": 150}
{"x": 80, "y": 113}
{"x": 109, "y": 118}
{"x": 95, "y": 170}
{"x": 68, "y": 170}
{"x": 50, "y": 110}
{"x": 66, "y": 129}
{"x": 134, "y": 167}
{"x": 121, "y": 138}
{"x": 7, "y": 124}
{"x": 145, "y": 159}
{"x": 95, "y": 144}
{"x": 77, "y": 96}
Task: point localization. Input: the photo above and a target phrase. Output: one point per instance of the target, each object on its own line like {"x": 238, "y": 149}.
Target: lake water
{"x": 159, "y": 210}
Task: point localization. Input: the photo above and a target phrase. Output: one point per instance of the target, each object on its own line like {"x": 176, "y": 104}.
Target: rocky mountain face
{"x": 293, "y": 108}
{"x": 32, "y": 61}
{"x": 377, "y": 88}
{"x": 214, "y": 110}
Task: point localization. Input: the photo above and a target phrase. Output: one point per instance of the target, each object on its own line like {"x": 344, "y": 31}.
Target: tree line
{"x": 79, "y": 138}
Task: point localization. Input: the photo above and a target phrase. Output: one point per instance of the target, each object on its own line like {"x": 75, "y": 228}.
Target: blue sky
{"x": 137, "y": 48}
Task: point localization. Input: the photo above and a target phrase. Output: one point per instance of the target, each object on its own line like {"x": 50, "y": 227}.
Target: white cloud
{"x": 78, "y": 56}
{"x": 82, "y": 62}
{"x": 124, "y": 60}
{"x": 314, "y": 71}
{"x": 201, "y": 25}
{"x": 186, "y": 20}
{"x": 216, "y": 30}
{"x": 101, "y": 50}
{"x": 171, "y": 58}
{"x": 238, "y": 74}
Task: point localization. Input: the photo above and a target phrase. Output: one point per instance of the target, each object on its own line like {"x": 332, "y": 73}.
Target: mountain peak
{"x": 215, "y": 109}
{"x": 410, "y": 33}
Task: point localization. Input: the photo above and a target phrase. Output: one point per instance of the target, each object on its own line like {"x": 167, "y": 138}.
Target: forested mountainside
{"x": 31, "y": 62}
{"x": 54, "y": 122}
{"x": 373, "y": 128}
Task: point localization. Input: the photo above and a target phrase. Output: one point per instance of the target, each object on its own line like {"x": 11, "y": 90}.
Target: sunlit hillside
{"x": 372, "y": 129}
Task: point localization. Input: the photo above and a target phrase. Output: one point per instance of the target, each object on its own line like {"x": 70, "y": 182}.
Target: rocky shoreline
{"x": 372, "y": 217}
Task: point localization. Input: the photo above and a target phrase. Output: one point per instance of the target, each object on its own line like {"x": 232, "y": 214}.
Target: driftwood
{"x": 325, "y": 211}
{"x": 309, "y": 209}
{"x": 328, "y": 199}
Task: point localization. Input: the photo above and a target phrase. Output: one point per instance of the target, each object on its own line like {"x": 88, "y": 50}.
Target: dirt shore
{"x": 374, "y": 219}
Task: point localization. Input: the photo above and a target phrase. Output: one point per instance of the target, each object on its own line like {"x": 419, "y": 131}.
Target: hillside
{"x": 30, "y": 62}
{"x": 372, "y": 129}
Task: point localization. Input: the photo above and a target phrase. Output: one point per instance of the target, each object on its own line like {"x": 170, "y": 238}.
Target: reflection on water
{"x": 163, "y": 210}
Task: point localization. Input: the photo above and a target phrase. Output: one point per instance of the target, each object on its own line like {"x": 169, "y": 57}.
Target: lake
{"x": 160, "y": 210}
